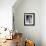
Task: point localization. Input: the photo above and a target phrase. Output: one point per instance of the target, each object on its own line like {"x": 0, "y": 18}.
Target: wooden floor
{"x": 9, "y": 43}
{"x": 13, "y": 42}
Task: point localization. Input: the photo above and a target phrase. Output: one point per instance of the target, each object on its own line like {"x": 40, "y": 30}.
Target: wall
{"x": 29, "y": 32}
{"x": 6, "y": 13}
{"x": 43, "y": 22}
{"x": 6, "y": 16}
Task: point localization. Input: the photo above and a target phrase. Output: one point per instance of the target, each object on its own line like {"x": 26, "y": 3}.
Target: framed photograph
{"x": 29, "y": 19}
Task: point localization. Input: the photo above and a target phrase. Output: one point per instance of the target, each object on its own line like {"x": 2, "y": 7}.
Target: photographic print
{"x": 29, "y": 19}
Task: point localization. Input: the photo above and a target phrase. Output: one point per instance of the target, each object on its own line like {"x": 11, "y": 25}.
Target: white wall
{"x": 43, "y": 22}
{"x": 31, "y": 32}
{"x": 6, "y": 13}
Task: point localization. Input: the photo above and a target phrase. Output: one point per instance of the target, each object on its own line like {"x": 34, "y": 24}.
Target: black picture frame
{"x": 29, "y": 19}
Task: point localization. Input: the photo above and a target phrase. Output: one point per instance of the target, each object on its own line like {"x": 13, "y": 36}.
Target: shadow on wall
{"x": 29, "y": 32}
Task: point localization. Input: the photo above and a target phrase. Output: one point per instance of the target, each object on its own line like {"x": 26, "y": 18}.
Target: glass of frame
{"x": 29, "y": 19}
